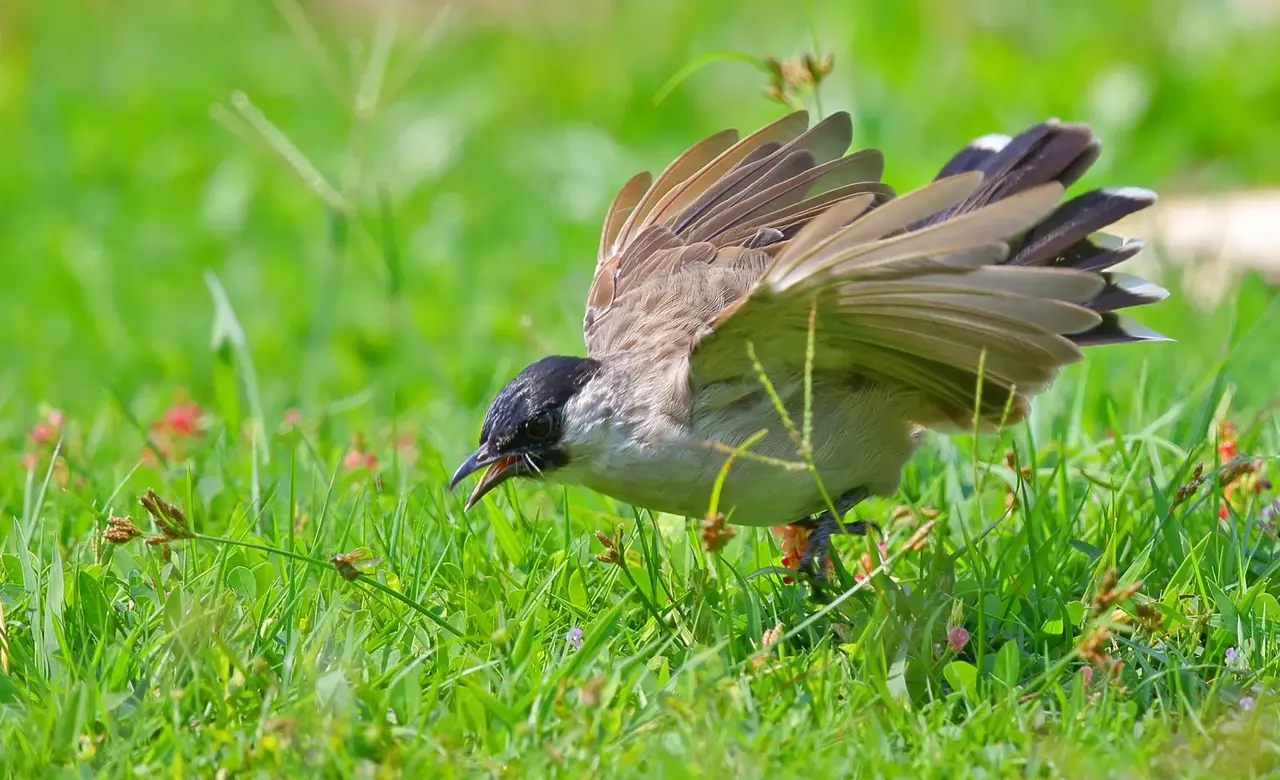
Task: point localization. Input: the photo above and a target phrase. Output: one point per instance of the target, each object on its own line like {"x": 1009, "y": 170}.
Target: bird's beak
{"x": 500, "y": 470}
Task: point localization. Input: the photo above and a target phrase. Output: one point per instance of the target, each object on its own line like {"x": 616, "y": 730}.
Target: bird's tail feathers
{"x": 982, "y": 278}
{"x": 1072, "y": 235}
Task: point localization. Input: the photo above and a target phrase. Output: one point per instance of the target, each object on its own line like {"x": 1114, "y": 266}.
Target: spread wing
{"x": 690, "y": 243}
{"x": 981, "y": 272}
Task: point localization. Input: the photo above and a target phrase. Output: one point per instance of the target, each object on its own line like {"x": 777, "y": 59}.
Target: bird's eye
{"x": 539, "y": 428}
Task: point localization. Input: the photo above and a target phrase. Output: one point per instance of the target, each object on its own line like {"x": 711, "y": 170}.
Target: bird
{"x": 768, "y": 301}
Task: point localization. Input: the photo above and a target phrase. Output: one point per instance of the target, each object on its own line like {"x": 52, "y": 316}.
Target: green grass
{"x": 152, "y": 248}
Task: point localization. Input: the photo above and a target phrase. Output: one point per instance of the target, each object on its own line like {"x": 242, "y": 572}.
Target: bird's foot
{"x": 818, "y": 548}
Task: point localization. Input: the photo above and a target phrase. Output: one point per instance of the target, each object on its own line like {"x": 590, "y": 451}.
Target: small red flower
{"x": 1241, "y": 478}
{"x": 1227, "y": 448}
{"x": 355, "y": 459}
{"x": 1244, "y": 479}
{"x": 957, "y": 638}
{"x": 405, "y": 444}
{"x": 865, "y": 567}
{"x": 291, "y": 418}
{"x": 793, "y": 540}
{"x": 46, "y": 431}
{"x": 181, "y": 420}
{"x": 1086, "y": 675}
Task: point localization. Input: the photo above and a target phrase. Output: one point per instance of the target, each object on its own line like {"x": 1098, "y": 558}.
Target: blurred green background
{"x": 403, "y": 212}
{"x": 497, "y": 138}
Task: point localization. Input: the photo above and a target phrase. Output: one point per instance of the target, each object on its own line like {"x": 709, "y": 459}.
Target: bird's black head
{"x": 521, "y": 432}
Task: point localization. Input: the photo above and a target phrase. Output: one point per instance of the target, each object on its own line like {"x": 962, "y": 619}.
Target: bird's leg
{"x": 818, "y": 547}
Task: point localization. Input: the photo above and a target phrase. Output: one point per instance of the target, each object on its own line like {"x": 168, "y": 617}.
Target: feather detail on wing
{"x": 969, "y": 294}
{"x": 749, "y": 196}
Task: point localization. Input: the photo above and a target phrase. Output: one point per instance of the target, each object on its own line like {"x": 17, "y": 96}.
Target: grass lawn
{"x": 270, "y": 261}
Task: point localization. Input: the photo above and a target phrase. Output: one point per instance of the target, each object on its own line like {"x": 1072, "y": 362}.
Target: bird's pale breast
{"x": 858, "y": 440}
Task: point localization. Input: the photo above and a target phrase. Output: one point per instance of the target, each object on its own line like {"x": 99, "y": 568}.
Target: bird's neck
{"x": 632, "y": 396}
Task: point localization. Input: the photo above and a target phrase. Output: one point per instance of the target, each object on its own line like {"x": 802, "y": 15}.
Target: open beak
{"x": 499, "y": 470}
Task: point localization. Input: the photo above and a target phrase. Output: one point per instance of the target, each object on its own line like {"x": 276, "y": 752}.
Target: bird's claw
{"x": 813, "y": 563}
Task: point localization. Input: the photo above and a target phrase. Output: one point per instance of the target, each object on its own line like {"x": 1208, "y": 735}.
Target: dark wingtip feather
{"x": 1069, "y": 237}
{"x": 1042, "y": 153}
{"x": 974, "y": 155}
{"x": 1116, "y": 329}
{"x": 1084, "y": 159}
{"x": 1099, "y": 252}
{"x": 1048, "y": 151}
{"x": 1141, "y": 195}
{"x": 1125, "y": 291}
{"x": 1075, "y": 220}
